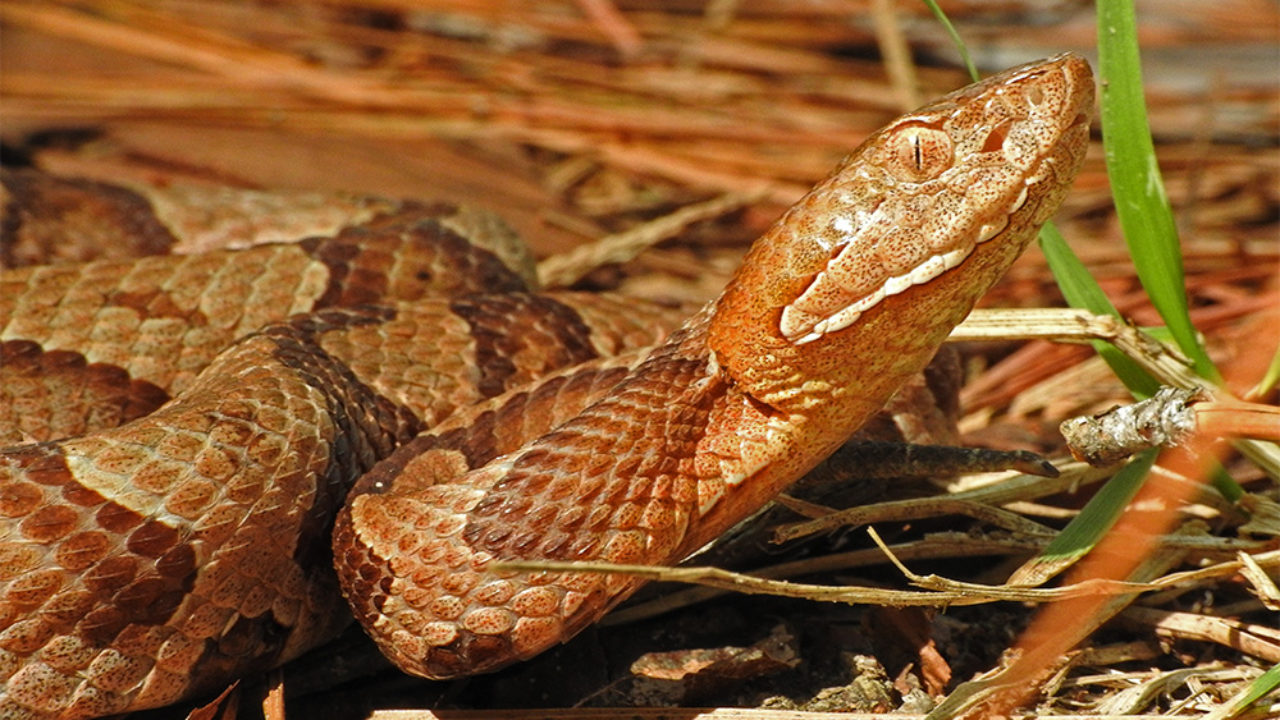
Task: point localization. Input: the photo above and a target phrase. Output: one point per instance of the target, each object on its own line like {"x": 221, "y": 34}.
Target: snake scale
{"x": 183, "y": 439}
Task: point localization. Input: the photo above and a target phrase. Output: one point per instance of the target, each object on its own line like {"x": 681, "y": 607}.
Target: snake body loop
{"x": 150, "y": 553}
{"x": 748, "y": 396}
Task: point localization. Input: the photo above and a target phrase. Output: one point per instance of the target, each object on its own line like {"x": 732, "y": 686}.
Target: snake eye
{"x": 917, "y": 153}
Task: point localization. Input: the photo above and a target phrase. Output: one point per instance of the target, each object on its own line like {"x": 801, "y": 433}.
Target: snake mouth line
{"x": 802, "y": 327}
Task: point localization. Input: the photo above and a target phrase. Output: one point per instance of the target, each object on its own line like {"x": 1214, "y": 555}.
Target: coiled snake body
{"x": 143, "y": 563}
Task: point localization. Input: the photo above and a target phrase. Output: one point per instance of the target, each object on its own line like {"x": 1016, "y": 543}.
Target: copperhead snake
{"x": 161, "y": 539}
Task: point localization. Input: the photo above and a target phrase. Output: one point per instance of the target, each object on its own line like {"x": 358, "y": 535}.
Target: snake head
{"x": 903, "y": 237}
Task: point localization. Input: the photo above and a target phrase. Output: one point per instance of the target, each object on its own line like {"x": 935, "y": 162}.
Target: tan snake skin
{"x": 47, "y": 219}
{"x": 144, "y": 563}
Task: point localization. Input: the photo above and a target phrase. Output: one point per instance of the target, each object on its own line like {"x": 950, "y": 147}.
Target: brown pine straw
{"x": 897, "y": 53}
{"x": 1060, "y": 626}
{"x": 1234, "y": 419}
{"x": 614, "y": 25}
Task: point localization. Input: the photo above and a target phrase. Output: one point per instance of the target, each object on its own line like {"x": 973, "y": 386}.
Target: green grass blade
{"x": 955, "y": 39}
{"x": 1141, "y": 203}
{"x": 1262, "y": 686}
{"x": 1081, "y": 291}
{"x": 1101, "y": 512}
{"x": 1271, "y": 377}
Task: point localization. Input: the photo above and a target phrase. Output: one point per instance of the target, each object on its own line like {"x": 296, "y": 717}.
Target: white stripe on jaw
{"x": 920, "y": 274}
{"x": 795, "y": 320}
